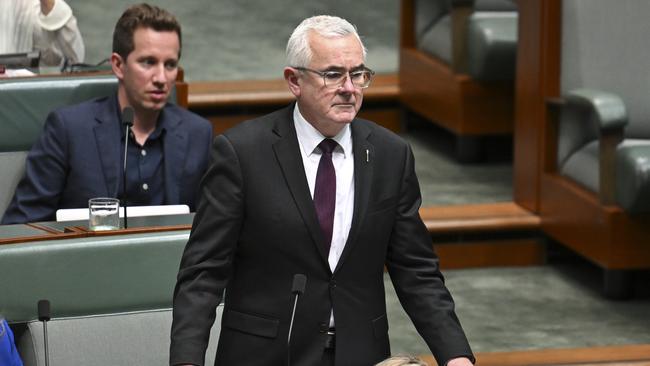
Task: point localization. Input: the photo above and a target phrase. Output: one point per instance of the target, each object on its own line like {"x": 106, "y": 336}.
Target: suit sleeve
{"x": 206, "y": 263}
{"x": 413, "y": 267}
{"x": 38, "y": 192}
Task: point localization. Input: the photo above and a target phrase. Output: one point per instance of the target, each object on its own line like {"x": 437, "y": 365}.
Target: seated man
{"x": 80, "y": 153}
{"x": 44, "y": 25}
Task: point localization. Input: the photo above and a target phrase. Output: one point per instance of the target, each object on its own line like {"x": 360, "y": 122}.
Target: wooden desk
{"x": 52, "y": 230}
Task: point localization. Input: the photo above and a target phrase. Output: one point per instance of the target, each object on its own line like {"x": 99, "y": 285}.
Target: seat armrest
{"x": 608, "y": 109}
{"x": 608, "y": 112}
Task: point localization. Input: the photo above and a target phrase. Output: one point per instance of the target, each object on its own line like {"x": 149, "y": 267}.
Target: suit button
{"x": 332, "y": 284}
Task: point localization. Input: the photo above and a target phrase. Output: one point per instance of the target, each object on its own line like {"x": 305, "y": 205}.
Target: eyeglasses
{"x": 335, "y": 79}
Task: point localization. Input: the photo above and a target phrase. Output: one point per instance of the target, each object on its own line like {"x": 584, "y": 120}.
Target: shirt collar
{"x": 309, "y": 137}
{"x": 162, "y": 125}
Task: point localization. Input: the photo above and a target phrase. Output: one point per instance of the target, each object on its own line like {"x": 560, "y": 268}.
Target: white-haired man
{"x": 311, "y": 190}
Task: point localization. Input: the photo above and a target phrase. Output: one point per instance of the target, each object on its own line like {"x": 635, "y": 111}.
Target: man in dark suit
{"x": 313, "y": 190}
{"x": 80, "y": 153}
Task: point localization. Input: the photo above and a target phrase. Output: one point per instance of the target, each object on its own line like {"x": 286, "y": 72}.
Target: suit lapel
{"x": 107, "y": 133}
{"x": 287, "y": 151}
{"x": 175, "y": 149}
{"x": 363, "y": 174}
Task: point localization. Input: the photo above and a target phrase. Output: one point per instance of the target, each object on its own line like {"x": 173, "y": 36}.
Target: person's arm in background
{"x": 58, "y": 37}
{"x": 8, "y": 354}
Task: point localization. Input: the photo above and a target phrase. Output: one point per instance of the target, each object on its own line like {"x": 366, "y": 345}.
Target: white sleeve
{"x": 59, "y": 36}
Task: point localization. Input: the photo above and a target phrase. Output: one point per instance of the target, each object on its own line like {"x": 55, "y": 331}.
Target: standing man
{"x": 312, "y": 190}
{"x": 44, "y": 25}
{"x": 80, "y": 153}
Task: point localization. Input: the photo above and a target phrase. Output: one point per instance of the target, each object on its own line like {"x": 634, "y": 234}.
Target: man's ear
{"x": 291, "y": 76}
{"x": 117, "y": 64}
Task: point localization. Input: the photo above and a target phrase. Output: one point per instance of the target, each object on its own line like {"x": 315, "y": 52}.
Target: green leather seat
{"x": 24, "y": 106}
{"x": 491, "y": 35}
{"x": 110, "y": 297}
{"x": 90, "y": 275}
{"x": 134, "y": 338}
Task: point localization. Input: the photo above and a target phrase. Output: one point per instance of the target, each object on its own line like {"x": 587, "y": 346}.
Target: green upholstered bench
{"x": 133, "y": 338}
{"x": 490, "y": 36}
{"x": 24, "y": 106}
{"x": 110, "y": 297}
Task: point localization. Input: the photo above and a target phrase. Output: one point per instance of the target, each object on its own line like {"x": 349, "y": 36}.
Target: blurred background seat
{"x": 595, "y": 187}
{"x": 457, "y": 67}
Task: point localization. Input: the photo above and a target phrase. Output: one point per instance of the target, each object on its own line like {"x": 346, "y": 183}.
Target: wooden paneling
{"x": 537, "y": 79}
{"x": 504, "y": 216}
{"x": 454, "y": 101}
{"x": 256, "y": 93}
{"x": 407, "y": 24}
{"x": 604, "y": 234}
{"x": 429, "y": 88}
{"x": 491, "y": 253}
{"x": 226, "y": 103}
{"x": 485, "y": 235}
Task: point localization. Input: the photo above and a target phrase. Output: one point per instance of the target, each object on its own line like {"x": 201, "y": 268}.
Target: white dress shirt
{"x": 343, "y": 161}
{"x": 24, "y": 28}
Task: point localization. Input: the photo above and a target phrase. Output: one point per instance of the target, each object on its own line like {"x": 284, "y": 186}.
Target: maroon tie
{"x": 325, "y": 190}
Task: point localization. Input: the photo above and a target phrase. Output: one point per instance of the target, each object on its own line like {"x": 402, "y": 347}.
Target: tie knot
{"x": 327, "y": 146}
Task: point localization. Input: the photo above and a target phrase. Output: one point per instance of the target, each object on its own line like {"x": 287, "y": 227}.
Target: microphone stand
{"x": 127, "y": 119}
{"x": 297, "y": 289}
{"x": 44, "y": 316}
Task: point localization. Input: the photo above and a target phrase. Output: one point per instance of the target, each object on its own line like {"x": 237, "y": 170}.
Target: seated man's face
{"x": 149, "y": 71}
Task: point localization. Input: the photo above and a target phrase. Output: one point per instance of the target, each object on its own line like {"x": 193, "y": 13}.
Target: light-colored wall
{"x": 227, "y": 39}
{"x": 605, "y": 46}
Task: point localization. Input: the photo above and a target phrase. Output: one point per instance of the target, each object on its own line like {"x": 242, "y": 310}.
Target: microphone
{"x": 44, "y": 316}
{"x": 297, "y": 289}
{"x": 127, "y": 120}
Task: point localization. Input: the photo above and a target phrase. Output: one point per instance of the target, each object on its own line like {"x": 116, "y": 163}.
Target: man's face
{"x": 149, "y": 71}
{"x": 329, "y": 108}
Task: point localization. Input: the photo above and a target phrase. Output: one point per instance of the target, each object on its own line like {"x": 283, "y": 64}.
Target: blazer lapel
{"x": 175, "y": 149}
{"x": 287, "y": 151}
{"x": 107, "y": 136}
{"x": 364, "y": 153}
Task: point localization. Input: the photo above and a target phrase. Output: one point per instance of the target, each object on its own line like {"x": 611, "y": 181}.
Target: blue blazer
{"x": 78, "y": 157}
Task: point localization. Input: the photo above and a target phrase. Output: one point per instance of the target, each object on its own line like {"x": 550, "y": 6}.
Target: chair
{"x": 132, "y": 338}
{"x": 595, "y": 188}
{"x": 457, "y": 66}
{"x": 110, "y": 297}
{"x": 24, "y": 106}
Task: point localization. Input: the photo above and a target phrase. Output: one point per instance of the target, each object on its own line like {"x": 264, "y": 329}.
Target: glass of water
{"x": 103, "y": 214}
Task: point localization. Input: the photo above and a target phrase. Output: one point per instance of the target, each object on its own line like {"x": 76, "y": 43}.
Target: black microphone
{"x": 297, "y": 289}
{"x": 44, "y": 316}
{"x": 127, "y": 120}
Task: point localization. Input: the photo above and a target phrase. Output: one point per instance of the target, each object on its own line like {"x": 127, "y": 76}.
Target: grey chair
{"x": 110, "y": 297}
{"x": 595, "y": 192}
{"x": 457, "y": 66}
{"x": 117, "y": 339}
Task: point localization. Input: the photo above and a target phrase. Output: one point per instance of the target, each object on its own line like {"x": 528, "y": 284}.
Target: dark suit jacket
{"x": 256, "y": 226}
{"x": 78, "y": 157}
